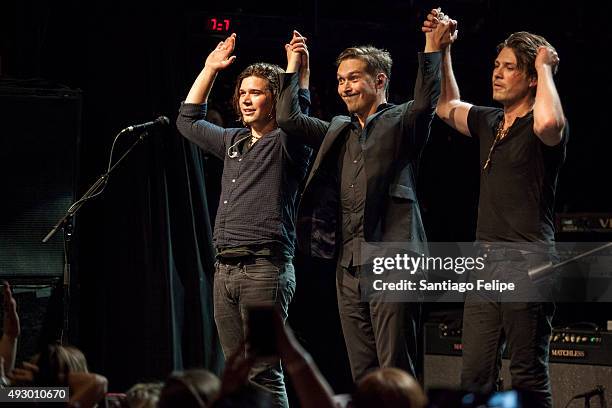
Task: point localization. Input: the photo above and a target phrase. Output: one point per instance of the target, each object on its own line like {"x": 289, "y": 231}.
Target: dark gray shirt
{"x": 258, "y": 187}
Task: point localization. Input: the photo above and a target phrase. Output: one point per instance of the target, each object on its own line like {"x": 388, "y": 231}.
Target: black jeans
{"x": 376, "y": 333}
{"x": 491, "y": 321}
{"x": 237, "y": 285}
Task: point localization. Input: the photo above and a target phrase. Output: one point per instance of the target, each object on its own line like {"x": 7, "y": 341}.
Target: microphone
{"x": 161, "y": 121}
{"x": 542, "y": 271}
{"x": 599, "y": 390}
{"x": 232, "y": 151}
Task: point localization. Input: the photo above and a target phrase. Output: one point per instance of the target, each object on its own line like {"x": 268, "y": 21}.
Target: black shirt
{"x": 517, "y": 190}
{"x": 353, "y": 189}
{"x": 393, "y": 144}
{"x": 259, "y": 186}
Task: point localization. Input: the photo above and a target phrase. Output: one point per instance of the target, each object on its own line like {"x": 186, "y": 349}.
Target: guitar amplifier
{"x": 584, "y": 223}
{"x": 580, "y": 360}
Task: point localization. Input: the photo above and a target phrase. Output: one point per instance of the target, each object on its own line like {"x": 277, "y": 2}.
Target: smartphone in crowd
{"x": 261, "y": 337}
{"x": 115, "y": 400}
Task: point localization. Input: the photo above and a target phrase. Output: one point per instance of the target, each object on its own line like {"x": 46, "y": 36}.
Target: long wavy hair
{"x": 270, "y": 72}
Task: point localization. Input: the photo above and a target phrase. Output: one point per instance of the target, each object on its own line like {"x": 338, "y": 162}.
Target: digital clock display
{"x": 218, "y": 24}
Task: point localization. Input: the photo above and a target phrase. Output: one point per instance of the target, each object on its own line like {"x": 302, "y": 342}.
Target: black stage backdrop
{"x": 146, "y": 261}
{"x": 141, "y": 303}
{"x": 143, "y": 265}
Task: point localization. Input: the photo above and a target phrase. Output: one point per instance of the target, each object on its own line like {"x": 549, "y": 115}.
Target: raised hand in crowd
{"x": 11, "y": 329}
{"x": 23, "y": 375}
{"x": 312, "y": 388}
{"x": 236, "y": 372}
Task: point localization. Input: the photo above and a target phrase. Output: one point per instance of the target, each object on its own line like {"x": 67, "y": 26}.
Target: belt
{"x": 502, "y": 254}
{"x": 249, "y": 259}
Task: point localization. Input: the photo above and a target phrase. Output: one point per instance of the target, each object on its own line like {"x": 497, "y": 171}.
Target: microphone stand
{"x": 66, "y": 224}
{"x": 546, "y": 269}
{"x": 598, "y": 391}
{"x": 602, "y": 400}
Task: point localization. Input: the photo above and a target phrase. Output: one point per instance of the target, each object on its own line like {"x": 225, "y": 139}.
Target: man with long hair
{"x": 522, "y": 147}
{"x": 254, "y": 238}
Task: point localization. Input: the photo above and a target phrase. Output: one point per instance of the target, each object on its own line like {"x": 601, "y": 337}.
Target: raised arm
{"x": 10, "y": 329}
{"x": 298, "y": 61}
{"x": 220, "y": 58}
{"x": 548, "y": 117}
{"x": 289, "y": 115}
{"x": 86, "y": 389}
{"x": 311, "y": 387}
{"x": 450, "y": 108}
{"x": 442, "y": 34}
{"x": 190, "y": 121}
{"x": 416, "y": 121}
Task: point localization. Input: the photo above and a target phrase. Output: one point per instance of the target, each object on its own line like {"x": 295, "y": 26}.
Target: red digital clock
{"x": 218, "y": 24}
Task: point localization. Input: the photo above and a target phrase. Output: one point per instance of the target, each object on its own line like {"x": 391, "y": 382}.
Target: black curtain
{"x": 146, "y": 267}
{"x": 142, "y": 267}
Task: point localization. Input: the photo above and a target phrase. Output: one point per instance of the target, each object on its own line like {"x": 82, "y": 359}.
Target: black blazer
{"x": 395, "y": 139}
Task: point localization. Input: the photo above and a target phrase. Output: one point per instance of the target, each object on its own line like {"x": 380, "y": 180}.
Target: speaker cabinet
{"x": 39, "y": 137}
{"x": 444, "y": 371}
{"x": 39, "y": 305}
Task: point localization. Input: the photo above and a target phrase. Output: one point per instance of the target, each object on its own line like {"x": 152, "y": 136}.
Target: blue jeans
{"x": 246, "y": 281}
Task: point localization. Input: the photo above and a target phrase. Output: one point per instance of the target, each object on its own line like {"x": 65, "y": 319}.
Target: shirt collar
{"x": 381, "y": 108}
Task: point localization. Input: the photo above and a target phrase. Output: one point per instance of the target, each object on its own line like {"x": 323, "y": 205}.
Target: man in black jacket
{"x": 362, "y": 188}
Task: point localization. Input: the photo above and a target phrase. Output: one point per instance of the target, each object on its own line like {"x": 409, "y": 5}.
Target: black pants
{"x": 490, "y": 322}
{"x": 376, "y": 333}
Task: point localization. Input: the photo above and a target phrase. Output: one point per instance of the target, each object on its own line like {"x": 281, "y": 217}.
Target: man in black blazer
{"x": 362, "y": 187}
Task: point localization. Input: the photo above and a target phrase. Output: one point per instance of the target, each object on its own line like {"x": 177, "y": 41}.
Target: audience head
{"x": 55, "y": 362}
{"x": 389, "y": 388}
{"x": 144, "y": 395}
{"x": 189, "y": 388}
